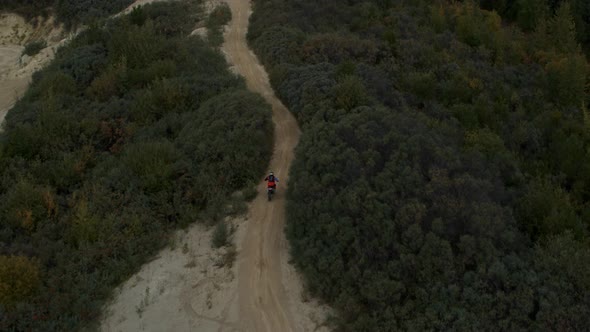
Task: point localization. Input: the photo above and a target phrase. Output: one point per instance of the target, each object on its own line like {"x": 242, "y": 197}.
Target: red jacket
{"x": 271, "y": 181}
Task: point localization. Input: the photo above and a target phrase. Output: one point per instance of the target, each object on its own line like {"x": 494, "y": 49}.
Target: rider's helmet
{"x": 271, "y": 173}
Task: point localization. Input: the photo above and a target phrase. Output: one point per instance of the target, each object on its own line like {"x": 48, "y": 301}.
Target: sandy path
{"x": 264, "y": 303}
{"x": 184, "y": 289}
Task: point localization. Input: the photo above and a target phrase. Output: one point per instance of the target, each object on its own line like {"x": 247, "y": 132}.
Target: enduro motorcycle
{"x": 270, "y": 192}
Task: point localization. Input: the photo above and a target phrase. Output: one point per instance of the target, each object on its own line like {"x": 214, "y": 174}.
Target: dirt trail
{"x": 185, "y": 289}
{"x": 263, "y": 301}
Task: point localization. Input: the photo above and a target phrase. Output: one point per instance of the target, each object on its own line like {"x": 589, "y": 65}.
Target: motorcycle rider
{"x": 271, "y": 181}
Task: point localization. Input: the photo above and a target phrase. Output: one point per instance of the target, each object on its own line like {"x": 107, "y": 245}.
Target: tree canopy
{"x": 133, "y": 131}
{"x": 443, "y": 166}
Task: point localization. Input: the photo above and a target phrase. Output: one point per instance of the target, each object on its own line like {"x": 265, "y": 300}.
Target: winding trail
{"x": 263, "y": 302}
{"x": 183, "y": 288}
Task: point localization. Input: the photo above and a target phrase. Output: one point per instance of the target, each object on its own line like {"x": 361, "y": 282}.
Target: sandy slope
{"x": 16, "y": 70}
{"x": 10, "y": 87}
{"x": 14, "y": 32}
{"x": 184, "y": 289}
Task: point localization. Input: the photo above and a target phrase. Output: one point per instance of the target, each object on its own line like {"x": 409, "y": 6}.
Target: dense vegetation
{"x": 442, "y": 181}
{"x": 134, "y": 130}
{"x": 531, "y": 14}
{"x": 27, "y": 8}
{"x": 34, "y": 47}
{"x": 218, "y": 18}
{"x": 70, "y": 12}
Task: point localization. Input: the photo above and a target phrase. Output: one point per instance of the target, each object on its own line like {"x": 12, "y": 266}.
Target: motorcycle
{"x": 270, "y": 191}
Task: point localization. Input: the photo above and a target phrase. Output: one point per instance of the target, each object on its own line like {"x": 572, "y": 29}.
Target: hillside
{"x": 69, "y": 12}
{"x": 530, "y": 15}
{"x": 133, "y": 131}
{"x": 442, "y": 180}
{"x": 189, "y": 286}
{"x": 24, "y": 48}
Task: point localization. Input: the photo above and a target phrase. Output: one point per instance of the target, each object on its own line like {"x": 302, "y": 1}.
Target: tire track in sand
{"x": 264, "y": 304}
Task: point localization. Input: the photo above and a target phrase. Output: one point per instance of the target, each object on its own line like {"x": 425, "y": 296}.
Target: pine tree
{"x": 531, "y": 13}
{"x": 562, "y": 30}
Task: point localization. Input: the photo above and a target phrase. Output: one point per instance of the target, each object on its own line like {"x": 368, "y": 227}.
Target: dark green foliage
{"x": 83, "y": 63}
{"x": 70, "y": 12}
{"x": 220, "y": 235}
{"x": 279, "y": 44}
{"x": 163, "y": 17}
{"x": 34, "y": 47}
{"x": 237, "y": 112}
{"x": 399, "y": 227}
{"x": 531, "y": 13}
{"x": 544, "y": 209}
{"x": 74, "y": 12}
{"x": 218, "y": 18}
{"x": 27, "y": 8}
{"x": 138, "y": 16}
{"x": 442, "y": 169}
{"x": 133, "y": 131}
{"x": 563, "y": 307}
{"x": 250, "y": 192}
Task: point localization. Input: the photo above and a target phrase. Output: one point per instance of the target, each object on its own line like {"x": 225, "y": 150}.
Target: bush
{"x": 20, "y": 279}
{"x": 218, "y": 18}
{"x": 133, "y": 131}
{"x": 413, "y": 201}
{"x": 30, "y": 9}
{"x": 220, "y": 236}
{"x": 70, "y": 12}
{"x": 76, "y": 12}
{"x": 23, "y": 206}
{"x": 250, "y": 192}
{"x": 34, "y": 47}
{"x": 567, "y": 80}
{"x": 153, "y": 163}
{"x": 546, "y": 210}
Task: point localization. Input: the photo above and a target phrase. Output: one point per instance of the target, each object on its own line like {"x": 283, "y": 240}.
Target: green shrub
{"x": 567, "y": 80}
{"x": 76, "y": 12}
{"x": 546, "y": 210}
{"x": 20, "y": 278}
{"x": 250, "y": 192}
{"x": 153, "y": 163}
{"x": 70, "y": 12}
{"x": 220, "y": 235}
{"x": 218, "y": 18}
{"x": 23, "y": 206}
{"x": 422, "y": 211}
{"x": 30, "y": 9}
{"x": 34, "y": 47}
{"x": 110, "y": 83}
{"x": 134, "y": 130}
